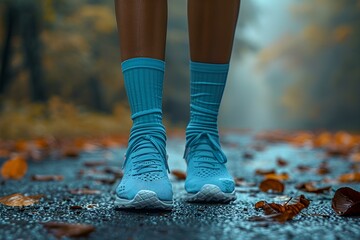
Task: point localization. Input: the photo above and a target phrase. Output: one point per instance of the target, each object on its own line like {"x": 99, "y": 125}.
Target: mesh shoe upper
{"x": 145, "y": 168}
{"x": 206, "y": 164}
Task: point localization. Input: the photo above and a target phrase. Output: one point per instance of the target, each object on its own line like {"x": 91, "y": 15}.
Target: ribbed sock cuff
{"x": 143, "y": 79}
{"x": 142, "y": 62}
{"x": 209, "y": 67}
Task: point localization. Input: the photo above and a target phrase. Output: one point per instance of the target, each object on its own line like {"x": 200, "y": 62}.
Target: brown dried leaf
{"x": 109, "y": 181}
{"x": 309, "y": 187}
{"x": 85, "y": 191}
{"x": 350, "y": 177}
{"x": 281, "y": 212}
{"x": 76, "y": 207}
{"x": 281, "y": 162}
{"x": 94, "y": 163}
{"x": 279, "y": 176}
{"x": 271, "y": 185}
{"x": 45, "y": 178}
{"x": 346, "y": 202}
{"x": 14, "y": 168}
{"x": 117, "y": 173}
{"x": 19, "y": 200}
{"x": 264, "y": 172}
{"x": 323, "y": 169}
{"x": 68, "y": 230}
{"x": 180, "y": 175}
{"x": 71, "y": 151}
{"x": 338, "y": 150}
{"x": 248, "y": 155}
{"x": 303, "y": 168}
{"x": 355, "y": 157}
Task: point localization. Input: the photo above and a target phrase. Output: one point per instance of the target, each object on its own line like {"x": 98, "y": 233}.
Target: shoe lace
{"x": 197, "y": 145}
{"x": 141, "y": 149}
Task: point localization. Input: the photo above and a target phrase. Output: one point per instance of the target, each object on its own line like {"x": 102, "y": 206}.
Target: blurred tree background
{"x": 60, "y": 68}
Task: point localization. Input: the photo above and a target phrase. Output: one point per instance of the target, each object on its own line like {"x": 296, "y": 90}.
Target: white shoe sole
{"x": 144, "y": 199}
{"x": 210, "y": 193}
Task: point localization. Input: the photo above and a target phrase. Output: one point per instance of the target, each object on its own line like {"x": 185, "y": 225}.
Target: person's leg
{"x": 211, "y": 31}
{"x": 142, "y": 32}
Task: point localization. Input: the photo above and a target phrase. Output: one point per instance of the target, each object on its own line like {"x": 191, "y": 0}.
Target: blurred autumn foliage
{"x": 68, "y": 51}
{"x": 319, "y": 80}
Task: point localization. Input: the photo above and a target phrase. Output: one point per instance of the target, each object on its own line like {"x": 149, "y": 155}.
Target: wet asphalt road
{"x": 186, "y": 221}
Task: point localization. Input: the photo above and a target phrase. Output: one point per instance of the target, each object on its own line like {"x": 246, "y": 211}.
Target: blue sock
{"x": 206, "y": 87}
{"x": 143, "y": 79}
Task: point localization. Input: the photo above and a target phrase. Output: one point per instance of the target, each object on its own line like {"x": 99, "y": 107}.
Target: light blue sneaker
{"x": 145, "y": 184}
{"x": 207, "y": 179}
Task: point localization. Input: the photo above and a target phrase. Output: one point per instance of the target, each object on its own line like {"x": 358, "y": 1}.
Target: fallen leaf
{"x": 68, "y": 230}
{"x": 350, "y": 177}
{"x": 277, "y": 176}
{"x": 323, "y": 169}
{"x": 355, "y": 157}
{"x": 180, "y": 175}
{"x": 94, "y": 163}
{"x": 21, "y": 146}
{"x": 45, "y": 178}
{"x": 338, "y": 150}
{"x": 281, "y": 162}
{"x": 309, "y": 187}
{"x": 281, "y": 212}
{"x": 346, "y": 202}
{"x": 19, "y": 200}
{"x": 248, "y": 155}
{"x": 264, "y": 171}
{"x": 117, "y": 173}
{"x": 272, "y": 185}
{"x": 14, "y": 168}
{"x": 84, "y": 191}
{"x": 258, "y": 147}
{"x": 76, "y": 207}
{"x": 103, "y": 180}
{"x": 71, "y": 152}
{"x": 303, "y": 168}
{"x": 322, "y": 140}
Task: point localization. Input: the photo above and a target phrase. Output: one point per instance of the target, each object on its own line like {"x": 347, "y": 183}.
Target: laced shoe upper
{"x": 145, "y": 167}
{"x": 206, "y": 164}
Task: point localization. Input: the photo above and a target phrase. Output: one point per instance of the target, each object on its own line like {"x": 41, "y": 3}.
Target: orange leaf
{"x": 180, "y": 175}
{"x": 272, "y": 185}
{"x": 355, "y": 157}
{"x": 47, "y": 177}
{"x": 281, "y": 212}
{"x": 19, "y": 200}
{"x": 60, "y": 230}
{"x": 350, "y": 177}
{"x": 309, "y": 187}
{"x": 264, "y": 172}
{"x": 14, "y": 168}
{"x": 279, "y": 176}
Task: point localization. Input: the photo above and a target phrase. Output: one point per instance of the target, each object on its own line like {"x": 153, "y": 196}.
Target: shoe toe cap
{"x": 226, "y": 185}
{"x": 163, "y": 189}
